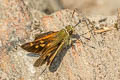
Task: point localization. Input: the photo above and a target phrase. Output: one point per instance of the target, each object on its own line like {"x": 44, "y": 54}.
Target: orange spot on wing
{"x": 31, "y": 44}
{"x": 42, "y": 45}
{"x": 36, "y": 46}
{"x": 48, "y": 44}
{"x": 41, "y": 41}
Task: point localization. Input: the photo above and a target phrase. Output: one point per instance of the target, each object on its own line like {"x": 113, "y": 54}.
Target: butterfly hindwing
{"x": 49, "y": 55}
{"x": 44, "y": 57}
{"x": 52, "y": 56}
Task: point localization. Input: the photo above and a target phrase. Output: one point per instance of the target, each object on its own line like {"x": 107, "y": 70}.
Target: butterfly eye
{"x": 70, "y": 32}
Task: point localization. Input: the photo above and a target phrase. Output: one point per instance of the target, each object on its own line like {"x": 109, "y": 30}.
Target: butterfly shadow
{"x": 33, "y": 55}
{"x": 59, "y": 57}
{"x": 57, "y": 61}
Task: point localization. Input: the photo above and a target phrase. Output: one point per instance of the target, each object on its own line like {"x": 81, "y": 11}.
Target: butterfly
{"x": 49, "y": 44}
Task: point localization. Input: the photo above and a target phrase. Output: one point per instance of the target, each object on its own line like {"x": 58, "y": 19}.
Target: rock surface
{"x": 80, "y": 62}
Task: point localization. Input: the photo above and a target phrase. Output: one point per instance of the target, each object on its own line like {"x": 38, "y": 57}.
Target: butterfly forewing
{"x": 45, "y": 35}
{"x": 40, "y": 42}
{"x": 45, "y": 57}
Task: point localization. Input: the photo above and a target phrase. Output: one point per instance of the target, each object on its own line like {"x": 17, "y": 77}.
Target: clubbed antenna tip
{"x": 78, "y": 23}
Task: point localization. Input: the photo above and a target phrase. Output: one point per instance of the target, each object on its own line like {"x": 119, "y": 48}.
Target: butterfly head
{"x": 70, "y": 29}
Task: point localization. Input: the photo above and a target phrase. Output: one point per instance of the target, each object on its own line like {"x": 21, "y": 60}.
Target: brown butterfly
{"x": 49, "y": 44}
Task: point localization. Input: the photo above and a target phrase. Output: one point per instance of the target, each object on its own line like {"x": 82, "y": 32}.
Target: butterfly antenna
{"x": 78, "y": 23}
{"x": 73, "y": 16}
{"x": 83, "y": 33}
